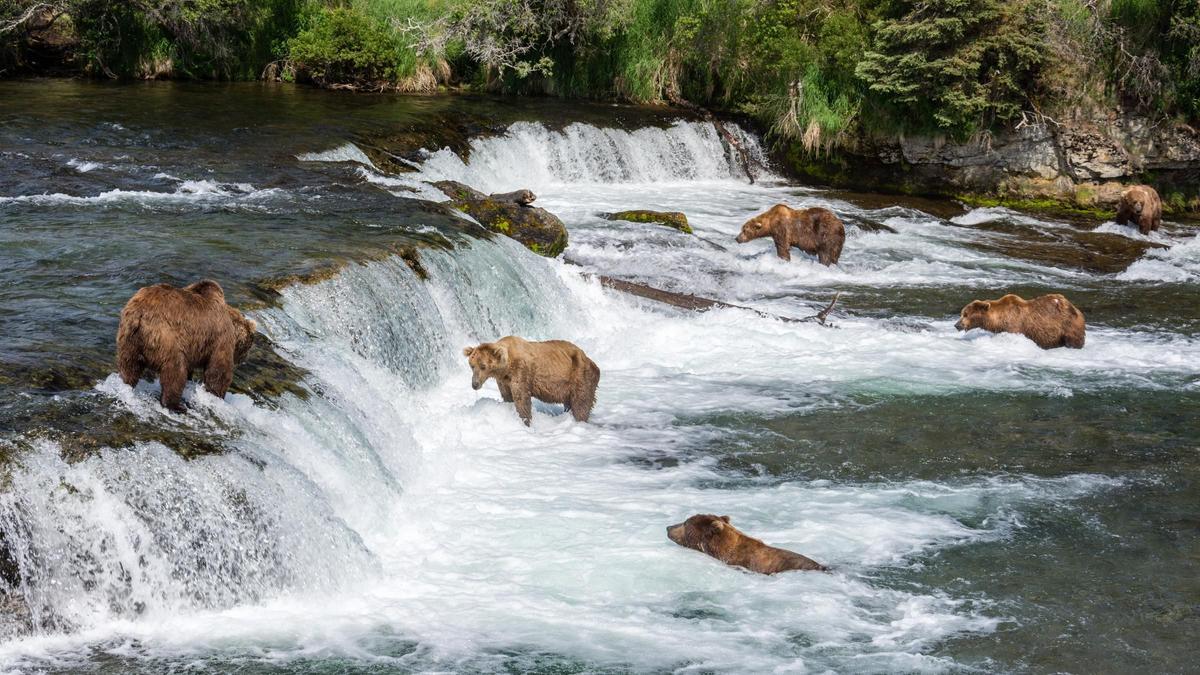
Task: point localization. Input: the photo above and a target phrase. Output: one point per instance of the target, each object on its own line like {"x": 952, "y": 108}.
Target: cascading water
{"x": 395, "y": 519}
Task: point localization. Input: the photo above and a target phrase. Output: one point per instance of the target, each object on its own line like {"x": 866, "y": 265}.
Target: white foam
{"x": 347, "y": 152}
{"x": 83, "y": 166}
{"x": 1180, "y": 263}
{"x": 188, "y": 191}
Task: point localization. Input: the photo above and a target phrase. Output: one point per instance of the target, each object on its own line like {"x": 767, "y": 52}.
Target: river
{"x": 354, "y": 506}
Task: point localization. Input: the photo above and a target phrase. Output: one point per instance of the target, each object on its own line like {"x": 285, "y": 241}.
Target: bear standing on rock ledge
{"x": 815, "y": 231}
{"x": 554, "y": 371}
{"x": 173, "y": 331}
{"x": 1050, "y": 321}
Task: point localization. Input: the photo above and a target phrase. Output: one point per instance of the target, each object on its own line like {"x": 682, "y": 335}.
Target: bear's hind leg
{"x": 172, "y": 377}
{"x": 218, "y": 374}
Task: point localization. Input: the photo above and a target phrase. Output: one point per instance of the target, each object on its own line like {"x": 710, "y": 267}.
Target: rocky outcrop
{"x": 1084, "y": 163}
{"x": 510, "y": 214}
{"x": 672, "y": 219}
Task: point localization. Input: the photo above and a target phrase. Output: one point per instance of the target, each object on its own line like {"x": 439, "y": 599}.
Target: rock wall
{"x": 1082, "y": 164}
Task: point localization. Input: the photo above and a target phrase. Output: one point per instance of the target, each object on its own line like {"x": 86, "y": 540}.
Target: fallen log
{"x": 696, "y": 303}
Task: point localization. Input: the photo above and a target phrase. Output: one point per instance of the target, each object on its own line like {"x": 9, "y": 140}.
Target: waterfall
{"x": 531, "y": 155}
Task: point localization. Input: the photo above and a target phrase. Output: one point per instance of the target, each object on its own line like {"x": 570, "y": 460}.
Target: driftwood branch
{"x": 822, "y": 315}
{"x": 29, "y": 13}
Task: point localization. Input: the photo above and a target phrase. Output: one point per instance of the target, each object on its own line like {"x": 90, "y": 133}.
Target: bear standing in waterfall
{"x": 1140, "y": 206}
{"x": 173, "y": 331}
{"x": 1050, "y": 320}
{"x": 715, "y": 536}
{"x": 815, "y": 231}
{"x": 554, "y": 371}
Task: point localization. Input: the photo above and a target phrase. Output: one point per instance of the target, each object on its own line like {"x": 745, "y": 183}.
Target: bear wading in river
{"x": 815, "y": 231}
{"x": 173, "y": 331}
{"x": 554, "y": 371}
{"x": 1050, "y": 320}
{"x": 1140, "y": 206}
{"x": 715, "y": 536}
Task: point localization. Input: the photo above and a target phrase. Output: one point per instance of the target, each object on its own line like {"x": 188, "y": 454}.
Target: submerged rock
{"x": 672, "y": 219}
{"x": 537, "y": 229}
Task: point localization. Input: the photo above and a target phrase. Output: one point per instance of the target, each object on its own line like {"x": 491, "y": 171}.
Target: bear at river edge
{"x": 173, "y": 331}
{"x": 1140, "y": 206}
{"x": 554, "y": 371}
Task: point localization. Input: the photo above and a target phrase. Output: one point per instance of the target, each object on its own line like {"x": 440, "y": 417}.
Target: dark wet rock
{"x": 459, "y": 192}
{"x": 673, "y": 219}
{"x": 537, "y": 229}
{"x": 872, "y": 226}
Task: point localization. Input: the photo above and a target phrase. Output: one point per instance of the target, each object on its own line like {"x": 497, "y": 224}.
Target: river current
{"x": 354, "y": 506}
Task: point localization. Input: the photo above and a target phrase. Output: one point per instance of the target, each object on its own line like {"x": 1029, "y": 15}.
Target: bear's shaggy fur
{"x": 1050, "y": 320}
{"x": 173, "y": 331}
{"x": 715, "y": 536}
{"x": 1140, "y": 206}
{"x": 554, "y": 371}
{"x": 815, "y": 231}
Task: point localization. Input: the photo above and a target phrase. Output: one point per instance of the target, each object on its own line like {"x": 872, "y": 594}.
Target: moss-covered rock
{"x": 672, "y": 219}
{"x": 537, "y": 229}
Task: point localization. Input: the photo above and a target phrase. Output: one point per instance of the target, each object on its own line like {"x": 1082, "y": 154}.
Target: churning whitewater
{"x": 394, "y": 517}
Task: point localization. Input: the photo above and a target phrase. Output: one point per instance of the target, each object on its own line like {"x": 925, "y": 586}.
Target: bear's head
{"x": 245, "y": 330}
{"x": 974, "y": 315}
{"x": 703, "y": 532}
{"x": 487, "y": 360}
{"x": 754, "y": 228}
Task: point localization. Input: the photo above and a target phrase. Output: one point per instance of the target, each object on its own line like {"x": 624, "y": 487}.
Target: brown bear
{"x": 554, "y": 371}
{"x": 1050, "y": 321}
{"x": 173, "y": 331}
{"x": 715, "y": 536}
{"x": 1140, "y": 206}
{"x": 815, "y": 231}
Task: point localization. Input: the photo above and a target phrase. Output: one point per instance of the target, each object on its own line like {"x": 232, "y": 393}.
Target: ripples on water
{"x": 985, "y": 504}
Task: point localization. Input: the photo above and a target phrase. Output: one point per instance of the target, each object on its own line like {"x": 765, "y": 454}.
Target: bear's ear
{"x": 502, "y": 352}
{"x": 251, "y": 325}
{"x": 468, "y": 351}
{"x": 724, "y": 518}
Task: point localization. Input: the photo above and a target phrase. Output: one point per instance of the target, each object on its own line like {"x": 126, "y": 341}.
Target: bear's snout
{"x": 960, "y": 325}
{"x": 675, "y": 533}
{"x": 741, "y": 238}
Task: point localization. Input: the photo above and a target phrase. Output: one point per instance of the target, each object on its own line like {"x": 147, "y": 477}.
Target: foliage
{"x": 959, "y": 64}
{"x": 816, "y": 73}
{"x": 345, "y": 45}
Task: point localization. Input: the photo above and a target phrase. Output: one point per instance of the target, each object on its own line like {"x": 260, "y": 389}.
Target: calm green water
{"x": 355, "y": 507}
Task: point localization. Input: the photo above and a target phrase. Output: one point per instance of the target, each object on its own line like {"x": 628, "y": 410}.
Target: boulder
{"x": 672, "y": 219}
{"x": 509, "y": 214}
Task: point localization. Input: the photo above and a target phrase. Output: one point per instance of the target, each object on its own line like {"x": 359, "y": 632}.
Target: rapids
{"x": 984, "y": 504}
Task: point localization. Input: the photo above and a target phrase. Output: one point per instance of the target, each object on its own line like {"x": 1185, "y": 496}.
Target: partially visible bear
{"x": 715, "y": 536}
{"x": 1050, "y": 321}
{"x": 815, "y": 231}
{"x": 554, "y": 371}
{"x": 1140, "y": 206}
{"x": 173, "y": 331}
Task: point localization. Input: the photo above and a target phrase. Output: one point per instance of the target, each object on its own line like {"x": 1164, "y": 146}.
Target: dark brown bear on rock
{"x": 173, "y": 331}
{"x": 1050, "y": 321}
{"x": 554, "y": 371}
{"x": 715, "y": 536}
{"x": 815, "y": 231}
{"x": 1140, "y": 206}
